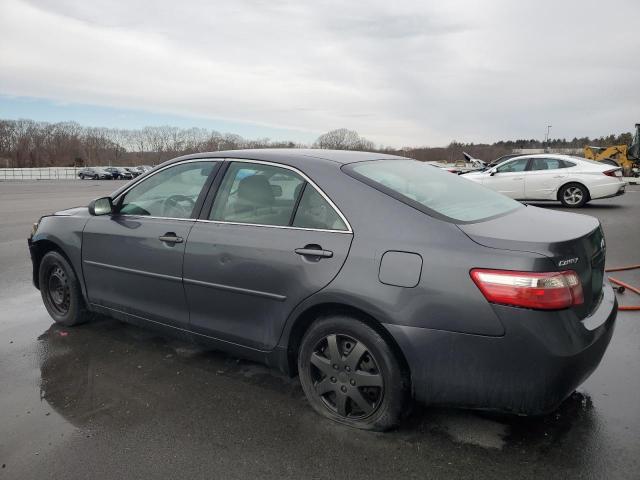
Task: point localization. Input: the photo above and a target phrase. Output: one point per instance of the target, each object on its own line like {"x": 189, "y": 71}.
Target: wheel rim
{"x": 346, "y": 376}
{"x": 573, "y": 195}
{"x": 58, "y": 292}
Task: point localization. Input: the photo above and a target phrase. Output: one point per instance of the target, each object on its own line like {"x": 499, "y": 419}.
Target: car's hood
{"x": 474, "y": 173}
{"x": 75, "y": 211}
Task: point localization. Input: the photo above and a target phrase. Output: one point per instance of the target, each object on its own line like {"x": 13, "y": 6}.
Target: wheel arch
{"x": 39, "y": 249}
{"x": 306, "y": 318}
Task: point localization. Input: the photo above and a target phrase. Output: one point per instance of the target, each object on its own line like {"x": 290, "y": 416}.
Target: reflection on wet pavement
{"x": 112, "y": 380}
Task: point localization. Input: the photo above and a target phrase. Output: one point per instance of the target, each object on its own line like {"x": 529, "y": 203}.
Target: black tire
{"x": 60, "y": 291}
{"x": 96, "y": 177}
{"x": 367, "y": 390}
{"x": 81, "y": 177}
{"x": 573, "y": 195}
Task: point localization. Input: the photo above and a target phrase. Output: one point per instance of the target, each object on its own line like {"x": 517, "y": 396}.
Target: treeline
{"x": 27, "y": 143}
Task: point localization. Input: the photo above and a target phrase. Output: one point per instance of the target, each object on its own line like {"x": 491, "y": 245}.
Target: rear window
{"x": 432, "y": 190}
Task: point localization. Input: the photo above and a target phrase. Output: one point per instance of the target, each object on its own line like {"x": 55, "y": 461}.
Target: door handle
{"x": 170, "y": 237}
{"x": 314, "y": 252}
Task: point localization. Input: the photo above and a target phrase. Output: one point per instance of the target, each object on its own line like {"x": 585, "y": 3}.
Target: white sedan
{"x": 571, "y": 180}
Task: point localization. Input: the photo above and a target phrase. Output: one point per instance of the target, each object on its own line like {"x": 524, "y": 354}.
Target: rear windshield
{"x": 432, "y": 190}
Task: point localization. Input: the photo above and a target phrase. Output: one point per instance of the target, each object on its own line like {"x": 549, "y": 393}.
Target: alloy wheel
{"x": 346, "y": 376}
{"x": 573, "y": 195}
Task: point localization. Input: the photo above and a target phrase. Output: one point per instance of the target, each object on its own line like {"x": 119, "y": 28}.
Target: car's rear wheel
{"x": 574, "y": 195}
{"x": 351, "y": 375}
{"x": 60, "y": 290}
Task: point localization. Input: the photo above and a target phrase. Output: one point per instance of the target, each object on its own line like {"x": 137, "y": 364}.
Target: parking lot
{"x": 108, "y": 400}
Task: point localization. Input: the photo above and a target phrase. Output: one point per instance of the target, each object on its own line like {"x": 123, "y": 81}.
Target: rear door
{"x": 544, "y": 177}
{"x": 132, "y": 259}
{"x": 508, "y": 178}
{"x": 271, "y": 239}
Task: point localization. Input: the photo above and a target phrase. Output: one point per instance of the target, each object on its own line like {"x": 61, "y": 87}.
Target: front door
{"x": 132, "y": 259}
{"x": 508, "y": 178}
{"x": 271, "y": 240}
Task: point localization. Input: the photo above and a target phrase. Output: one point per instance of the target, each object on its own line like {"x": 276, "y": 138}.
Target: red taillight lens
{"x": 613, "y": 173}
{"x": 543, "y": 291}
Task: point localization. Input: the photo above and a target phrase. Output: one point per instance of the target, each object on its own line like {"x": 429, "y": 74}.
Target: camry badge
{"x": 570, "y": 261}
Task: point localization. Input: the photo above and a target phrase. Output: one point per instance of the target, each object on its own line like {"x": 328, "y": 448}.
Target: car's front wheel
{"x": 351, "y": 375}
{"x": 574, "y": 195}
{"x": 60, "y": 290}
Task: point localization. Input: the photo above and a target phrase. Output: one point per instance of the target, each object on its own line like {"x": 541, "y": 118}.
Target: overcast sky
{"x": 400, "y": 73}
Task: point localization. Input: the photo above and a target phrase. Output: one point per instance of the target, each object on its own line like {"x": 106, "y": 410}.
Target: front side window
{"x": 433, "y": 191}
{"x": 513, "y": 166}
{"x": 171, "y": 193}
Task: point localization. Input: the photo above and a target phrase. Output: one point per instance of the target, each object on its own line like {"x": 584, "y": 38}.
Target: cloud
{"x": 401, "y": 73}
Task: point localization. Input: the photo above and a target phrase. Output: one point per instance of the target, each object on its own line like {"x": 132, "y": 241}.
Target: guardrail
{"x": 52, "y": 173}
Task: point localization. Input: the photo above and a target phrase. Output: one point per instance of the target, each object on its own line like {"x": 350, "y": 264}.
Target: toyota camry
{"x": 377, "y": 279}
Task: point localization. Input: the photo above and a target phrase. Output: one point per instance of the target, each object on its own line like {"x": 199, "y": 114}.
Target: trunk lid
{"x": 571, "y": 241}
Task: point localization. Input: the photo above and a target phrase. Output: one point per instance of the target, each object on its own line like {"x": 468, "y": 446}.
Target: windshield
{"x": 434, "y": 191}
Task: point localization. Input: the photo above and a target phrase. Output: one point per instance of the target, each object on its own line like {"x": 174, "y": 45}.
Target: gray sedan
{"x": 377, "y": 279}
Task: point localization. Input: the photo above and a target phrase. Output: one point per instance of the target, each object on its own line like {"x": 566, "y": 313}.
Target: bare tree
{"x": 343, "y": 139}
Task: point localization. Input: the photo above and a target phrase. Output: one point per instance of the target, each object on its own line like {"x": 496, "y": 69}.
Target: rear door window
{"x": 315, "y": 212}
{"x": 547, "y": 164}
{"x": 259, "y": 194}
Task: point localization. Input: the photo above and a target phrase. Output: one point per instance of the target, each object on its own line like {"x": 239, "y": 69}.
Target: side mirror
{"x": 492, "y": 172}
{"x": 101, "y": 206}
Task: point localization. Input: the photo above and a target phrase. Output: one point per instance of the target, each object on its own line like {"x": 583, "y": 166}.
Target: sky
{"x": 400, "y": 73}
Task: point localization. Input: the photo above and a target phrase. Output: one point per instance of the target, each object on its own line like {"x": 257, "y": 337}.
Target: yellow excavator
{"x": 625, "y": 156}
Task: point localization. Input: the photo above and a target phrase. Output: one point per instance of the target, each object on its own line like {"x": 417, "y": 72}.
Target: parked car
{"x": 94, "y": 173}
{"x": 375, "y": 278}
{"x": 570, "y": 180}
{"x": 144, "y": 168}
{"x": 503, "y": 158}
{"x": 448, "y": 168}
{"x": 119, "y": 173}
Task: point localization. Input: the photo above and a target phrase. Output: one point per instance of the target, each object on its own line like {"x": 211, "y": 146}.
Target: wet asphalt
{"x": 108, "y": 400}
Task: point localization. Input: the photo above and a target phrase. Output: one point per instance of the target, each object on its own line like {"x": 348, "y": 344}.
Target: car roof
{"x": 558, "y": 156}
{"x": 293, "y": 156}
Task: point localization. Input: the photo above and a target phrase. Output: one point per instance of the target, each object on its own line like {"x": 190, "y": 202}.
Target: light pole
{"x": 546, "y": 138}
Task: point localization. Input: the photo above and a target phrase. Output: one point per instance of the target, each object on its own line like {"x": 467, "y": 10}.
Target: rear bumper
{"x": 539, "y": 362}
{"x": 607, "y": 191}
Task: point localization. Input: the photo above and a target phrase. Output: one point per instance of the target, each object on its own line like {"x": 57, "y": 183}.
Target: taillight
{"x": 613, "y": 173}
{"x": 542, "y": 291}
